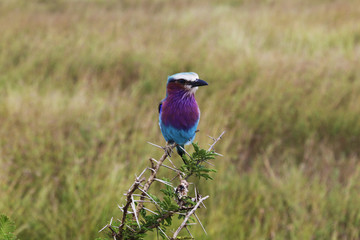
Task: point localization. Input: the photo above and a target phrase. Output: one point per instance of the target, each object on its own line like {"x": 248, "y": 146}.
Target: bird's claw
{"x": 168, "y": 150}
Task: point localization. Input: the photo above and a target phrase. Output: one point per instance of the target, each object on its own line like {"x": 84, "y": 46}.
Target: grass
{"x": 79, "y": 87}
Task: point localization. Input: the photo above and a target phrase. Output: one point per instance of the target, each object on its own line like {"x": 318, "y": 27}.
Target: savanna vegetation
{"x": 80, "y": 82}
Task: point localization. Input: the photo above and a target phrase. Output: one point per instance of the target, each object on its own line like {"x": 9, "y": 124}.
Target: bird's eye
{"x": 182, "y": 81}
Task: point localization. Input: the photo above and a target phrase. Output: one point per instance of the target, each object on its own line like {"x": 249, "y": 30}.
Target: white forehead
{"x": 189, "y": 76}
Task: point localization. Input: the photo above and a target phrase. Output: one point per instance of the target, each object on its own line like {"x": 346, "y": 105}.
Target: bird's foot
{"x": 169, "y": 149}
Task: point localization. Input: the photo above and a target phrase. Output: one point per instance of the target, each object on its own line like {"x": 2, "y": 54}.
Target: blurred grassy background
{"x": 80, "y": 82}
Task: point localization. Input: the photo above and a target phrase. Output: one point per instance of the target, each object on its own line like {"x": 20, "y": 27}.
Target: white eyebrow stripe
{"x": 188, "y": 76}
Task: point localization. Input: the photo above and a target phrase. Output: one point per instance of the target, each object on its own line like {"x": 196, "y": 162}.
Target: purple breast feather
{"x": 180, "y": 111}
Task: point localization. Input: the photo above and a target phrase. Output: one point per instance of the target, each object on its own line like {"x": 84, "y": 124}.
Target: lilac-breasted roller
{"x": 179, "y": 113}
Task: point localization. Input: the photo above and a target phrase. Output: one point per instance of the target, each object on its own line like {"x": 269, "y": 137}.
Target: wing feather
{"x": 160, "y": 104}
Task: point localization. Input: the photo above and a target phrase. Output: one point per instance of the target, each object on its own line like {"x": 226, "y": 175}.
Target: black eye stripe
{"x": 182, "y": 81}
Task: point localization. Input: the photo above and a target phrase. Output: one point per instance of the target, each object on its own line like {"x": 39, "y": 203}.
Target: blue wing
{"x": 160, "y": 104}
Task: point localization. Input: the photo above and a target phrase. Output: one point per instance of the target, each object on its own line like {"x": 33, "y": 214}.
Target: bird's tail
{"x": 181, "y": 152}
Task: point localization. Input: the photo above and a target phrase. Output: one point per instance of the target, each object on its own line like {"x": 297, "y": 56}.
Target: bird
{"x": 179, "y": 113}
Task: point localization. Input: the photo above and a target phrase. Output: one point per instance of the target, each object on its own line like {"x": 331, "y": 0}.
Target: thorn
{"x": 164, "y": 182}
{"x": 143, "y": 201}
{"x": 186, "y": 152}
{"x": 163, "y": 165}
{"x": 150, "y": 211}
{"x": 175, "y": 170}
{"x": 209, "y": 163}
{"x": 139, "y": 195}
{"x": 163, "y": 233}
{"x": 189, "y": 232}
{"x": 189, "y": 224}
{"x": 171, "y": 162}
{"x": 177, "y": 175}
{"x": 212, "y": 138}
{"x": 155, "y": 145}
{"x": 142, "y": 173}
{"x": 149, "y": 197}
{"x": 130, "y": 228}
{"x": 200, "y": 223}
{"x": 104, "y": 227}
{"x": 134, "y": 209}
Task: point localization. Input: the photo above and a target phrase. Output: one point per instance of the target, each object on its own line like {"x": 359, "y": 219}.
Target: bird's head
{"x": 188, "y": 81}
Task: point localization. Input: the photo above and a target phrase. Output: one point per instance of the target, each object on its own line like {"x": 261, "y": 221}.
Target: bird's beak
{"x": 198, "y": 83}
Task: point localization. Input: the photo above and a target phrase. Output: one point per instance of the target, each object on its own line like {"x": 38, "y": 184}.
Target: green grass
{"x": 79, "y": 86}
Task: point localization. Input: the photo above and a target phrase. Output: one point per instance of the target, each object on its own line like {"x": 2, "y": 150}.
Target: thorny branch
{"x": 185, "y": 206}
